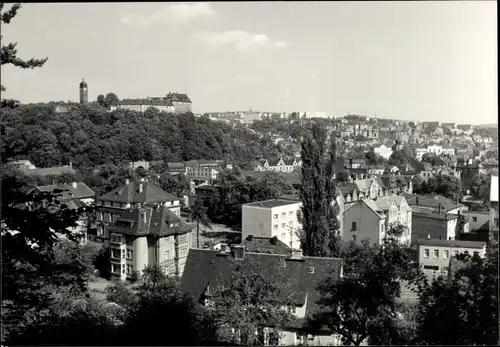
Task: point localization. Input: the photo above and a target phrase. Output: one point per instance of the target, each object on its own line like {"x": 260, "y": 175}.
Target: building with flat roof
{"x": 272, "y": 218}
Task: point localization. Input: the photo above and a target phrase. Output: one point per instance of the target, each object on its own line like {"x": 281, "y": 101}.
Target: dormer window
{"x": 310, "y": 269}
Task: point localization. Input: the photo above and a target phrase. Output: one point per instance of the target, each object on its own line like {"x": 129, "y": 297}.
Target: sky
{"x": 403, "y": 60}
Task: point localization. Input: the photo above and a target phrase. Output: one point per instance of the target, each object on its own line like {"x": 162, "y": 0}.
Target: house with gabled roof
{"x": 141, "y": 224}
{"x": 277, "y": 165}
{"x": 207, "y": 271}
{"x": 364, "y": 220}
{"x": 73, "y": 196}
{"x": 181, "y": 102}
{"x": 397, "y": 211}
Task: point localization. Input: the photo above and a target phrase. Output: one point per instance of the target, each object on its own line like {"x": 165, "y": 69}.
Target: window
{"x": 99, "y": 215}
{"x": 496, "y": 222}
{"x": 124, "y": 253}
{"x": 115, "y": 268}
{"x": 436, "y": 253}
{"x": 167, "y": 255}
{"x": 283, "y": 215}
{"x": 261, "y": 225}
{"x": 124, "y": 269}
{"x": 476, "y": 253}
{"x": 446, "y": 254}
{"x": 275, "y": 216}
{"x": 474, "y": 219}
{"x": 100, "y": 230}
{"x": 290, "y": 213}
{"x": 455, "y": 253}
{"x": 283, "y": 225}
{"x": 426, "y": 253}
{"x": 130, "y": 254}
{"x": 115, "y": 253}
{"x": 353, "y": 226}
{"x": 183, "y": 253}
{"x": 115, "y": 238}
{"x": 129, "y": 269}
{"x": 181, "y": 268}
{"x": 353, "y": 238}
{"x": 275, "y": 226}
{"x": 166, "y": 270}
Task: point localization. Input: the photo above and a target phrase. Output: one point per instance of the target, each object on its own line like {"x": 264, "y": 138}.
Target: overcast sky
{"x": 404, "y": 60}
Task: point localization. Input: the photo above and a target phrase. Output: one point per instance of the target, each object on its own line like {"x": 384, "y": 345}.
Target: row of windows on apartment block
{"x": 122, "y": 239}
{"x": 445, "y": 255}
{"x": 129, "y": 269}
{"x": 283, "y": 214}
{"x": 276, "y": 226}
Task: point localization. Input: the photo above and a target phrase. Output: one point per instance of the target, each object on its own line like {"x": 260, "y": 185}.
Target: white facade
{"x": 142, "y": 108}
{"x": 272, "y": 218}
{"x": 201, "y": 172}
{"x": 384, "y": 151}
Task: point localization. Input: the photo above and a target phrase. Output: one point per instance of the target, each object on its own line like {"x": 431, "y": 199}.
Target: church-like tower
{"x": 84, "y": 94}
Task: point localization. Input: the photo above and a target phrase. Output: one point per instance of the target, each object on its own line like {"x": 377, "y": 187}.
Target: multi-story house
{"x": 364, "y": 220}
{"x": 494, "y": 208}
{"x": 376, "y": 170}
{"x": 141, "y": 224}
{"x": 141, "y": 105}
{"x": 208, "y": 270}
{"x": 384, "y": 151}
{"x": 271, "y": 218}
{"x": 369, "y": 188}
{"x": 132, "y": 195}
{"x": 278, "y": 165}
{"x": 181, "y": 102}
{"x": 74, "y": 195}
{"x": 433, "y": 225}
{"x": 399, "y": 212}
{"x": 357, "y": 163}
{"x": 434, "y": 255}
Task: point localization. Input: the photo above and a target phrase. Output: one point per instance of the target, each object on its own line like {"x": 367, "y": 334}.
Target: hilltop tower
{"x": 84, "y": 94}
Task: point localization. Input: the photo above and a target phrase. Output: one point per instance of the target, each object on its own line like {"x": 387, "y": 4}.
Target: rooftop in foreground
{"x": 272, "y": 203}
{"x": 452, "y": 243}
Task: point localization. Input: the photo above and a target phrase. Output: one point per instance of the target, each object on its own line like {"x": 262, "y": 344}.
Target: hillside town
{"x": 138, "y": 221}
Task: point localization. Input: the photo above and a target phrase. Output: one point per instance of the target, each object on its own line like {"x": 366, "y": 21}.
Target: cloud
{"x": 239, "y": 39}
{"x": 173, "y": 14}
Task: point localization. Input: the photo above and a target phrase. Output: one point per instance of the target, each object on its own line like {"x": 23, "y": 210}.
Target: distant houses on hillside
{"x": 171, "y": 103}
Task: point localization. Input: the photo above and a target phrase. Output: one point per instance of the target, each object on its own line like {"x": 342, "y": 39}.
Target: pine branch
{"x": 7, "y": 16}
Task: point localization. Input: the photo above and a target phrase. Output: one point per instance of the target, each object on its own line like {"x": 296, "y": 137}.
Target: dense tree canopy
{"x": 89, "y": 135}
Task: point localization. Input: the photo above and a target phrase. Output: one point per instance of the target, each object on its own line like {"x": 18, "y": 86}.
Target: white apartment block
{"x": 434, "y": 149}
{"x": 202, "y": 172}
{"x": 434, "y": 255}
{"x": 271, "y": 218}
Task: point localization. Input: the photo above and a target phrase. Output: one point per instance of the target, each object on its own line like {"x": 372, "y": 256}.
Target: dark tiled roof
{"x": 158, "y": 222}
{"x": 389, "y": 182}
{"x": 432, "y": 201}
{"x": 177, "y": 97}
{"x": 129, "y": 193}
{"x": 348, "y": 188}
{"x": 208, "y": 267}
{"x": 272, "y": 203}
{"x": 452, "y": 243}
{"x": 265, "y": 245}
{"x": 81, "y": 191}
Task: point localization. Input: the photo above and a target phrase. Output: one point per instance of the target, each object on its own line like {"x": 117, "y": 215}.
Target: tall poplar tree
{"x": 320, "y": 226}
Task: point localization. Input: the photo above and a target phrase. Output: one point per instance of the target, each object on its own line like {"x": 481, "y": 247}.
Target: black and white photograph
{"x": 249, "y": 173}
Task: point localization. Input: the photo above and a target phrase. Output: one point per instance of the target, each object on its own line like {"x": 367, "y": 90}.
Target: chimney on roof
{"x": 74, "y": 185}
{"x": 274, "y": 240}
{"x": 70, "y": 164}
{"x": 250, "y": 238}
{"x": 141, "y": 187}
{"x": 127, "y": 181}
{"x": 239, "y": 252}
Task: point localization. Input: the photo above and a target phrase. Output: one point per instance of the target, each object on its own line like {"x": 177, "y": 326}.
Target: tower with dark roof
{"x": 84, "y": 94}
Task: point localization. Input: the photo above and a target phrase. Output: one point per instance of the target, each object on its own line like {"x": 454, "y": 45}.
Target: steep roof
{"x": 147, "y": 102}
{"x": 209, "y": 267}
{"x": 347, "y": 188}
{"x": 384, "y": 204}
{"x": 178, "y": 97}
{"x": 363, "y": 185}
{"x": 272, "y": 203}
{"x": 159, "y": 221}
{"x": 130, "y": 193}
{"x": 373, "y": 206}
{"x": 50, "y": 171}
